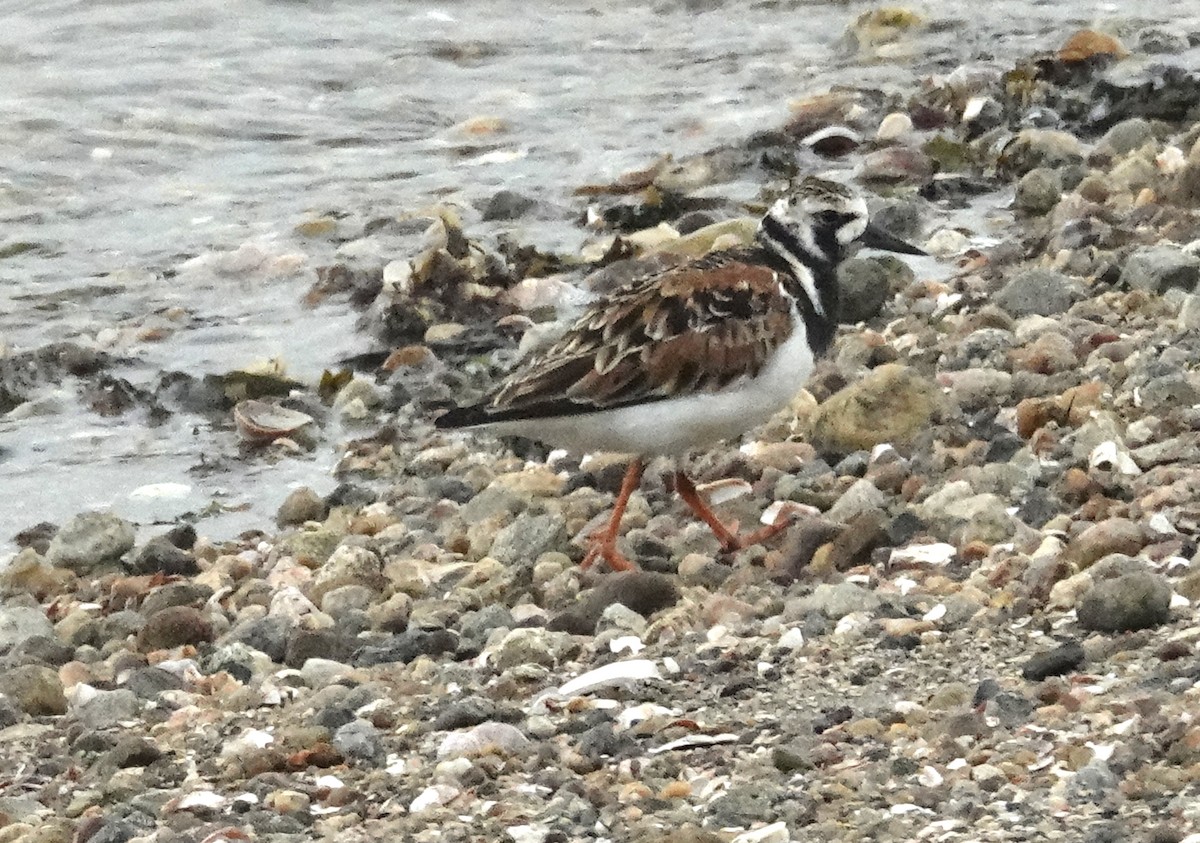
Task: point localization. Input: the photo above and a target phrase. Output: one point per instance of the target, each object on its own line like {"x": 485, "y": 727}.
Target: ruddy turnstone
{"x": 690, "y": 355}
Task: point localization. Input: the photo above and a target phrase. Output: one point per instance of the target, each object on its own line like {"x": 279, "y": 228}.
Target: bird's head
{"x": 823, "y": 218}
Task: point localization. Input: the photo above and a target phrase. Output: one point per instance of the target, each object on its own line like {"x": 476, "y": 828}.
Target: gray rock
{"x": 862, "y": 496}
{"x": 360, "y": 740}
{"x": 1094, "y": 782}
{"x": 835, "y": 601}
{"x": 1130, "y": 602}
{"x": 34, "y": 689}
{"x": 1062, "y": 659}
{"x": 10, "y": 715}
{"x": 468, "y": 711}
{"x": 484, "y": 737}
{"x": 865, "y": 285}
{"x": 1038, "y": 192}
{"x": 1164, "y": 393}
{"x": 149, "y": 682}
{"x": 267, "y": 635}
{"x": 89, "y": 540}
{"x": 159, "y": 555}
{"x": 532, "y": 646}
{"x": 508, "y": 205}
{"x": 1127, "y": 136}
{"x": 20, "y": 623}
{"x": 1157, "y": 269}
{"x": 175, "y": 594}
{"x": 1048, "y": 148}
{"x": 347, "y": 598}
{"x": 107, "y": 708}
{"x": 1043, "y": 292}
{"x": 621, "y": 618}
{"x": 407, "y": 646}
{"x": 303, "y": 504}
{"x": 348, "y": 565}
{"x": 528, "y": 537}
{"x": 1158, "y": 40}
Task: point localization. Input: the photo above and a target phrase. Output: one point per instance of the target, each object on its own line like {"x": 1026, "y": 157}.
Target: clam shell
{"x": 259, "y": 421}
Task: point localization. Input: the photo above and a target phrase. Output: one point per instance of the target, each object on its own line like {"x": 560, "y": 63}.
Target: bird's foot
{"x": 603, "y": 542}
{"x": 727, "y": 534}
{"x": 604, "y": 546}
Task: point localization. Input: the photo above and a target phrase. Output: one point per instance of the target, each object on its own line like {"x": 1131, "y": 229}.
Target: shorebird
{"x": 687, "y": 356}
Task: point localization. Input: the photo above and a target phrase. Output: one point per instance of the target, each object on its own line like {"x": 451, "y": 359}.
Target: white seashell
{"x": 973, "y": 108}
{"x": 1109, "y": 456}
{"x": 1161, "y": 524}
{"x": 200, "y": 799}
{"x": 617, "y": 673}
{"x": 1170, "y": 161}
{"x": 938, "y": 553}
{"x": 935, "y": 614}
{"x": 895, "y": 125}
{"x": 626, "y": 642}
{"x": 793, "y": 639}
{"x": 433, "y": 796}
{"x": 726, "y": 489}
{"x": 693, "y": 741}
{"x": 930, "y": 777}
{"x": 638, "y": 713}
{"x": 773, "y": 833}
{"x": 832, "y": 135}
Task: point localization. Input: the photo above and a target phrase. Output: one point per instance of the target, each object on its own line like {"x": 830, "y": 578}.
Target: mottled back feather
{"x": 695, "y": 328}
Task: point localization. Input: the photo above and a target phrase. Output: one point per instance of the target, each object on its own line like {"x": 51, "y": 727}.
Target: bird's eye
{"x": 833, "y": 219}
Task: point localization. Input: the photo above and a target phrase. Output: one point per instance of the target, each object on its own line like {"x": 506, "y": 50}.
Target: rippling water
{"x": 141, "y": 136}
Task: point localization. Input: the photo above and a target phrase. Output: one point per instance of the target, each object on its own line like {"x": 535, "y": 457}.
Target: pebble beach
{"x": 982, "y": 627}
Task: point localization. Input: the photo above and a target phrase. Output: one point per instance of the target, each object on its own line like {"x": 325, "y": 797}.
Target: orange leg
{"x": 730, "y": 540}
{"x": 604, "y": 541}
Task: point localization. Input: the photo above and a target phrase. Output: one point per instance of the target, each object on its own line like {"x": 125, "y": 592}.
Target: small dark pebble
{"x": 1056, "y": 662}
{"x": 832, "y": 718}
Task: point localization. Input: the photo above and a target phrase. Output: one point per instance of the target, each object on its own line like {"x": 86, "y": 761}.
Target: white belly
{"x": 676, "y": 425}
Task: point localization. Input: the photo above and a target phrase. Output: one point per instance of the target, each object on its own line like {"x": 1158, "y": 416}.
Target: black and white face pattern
{"x": 824, "y": 216}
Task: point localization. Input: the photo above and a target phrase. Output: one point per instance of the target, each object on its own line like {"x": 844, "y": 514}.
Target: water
{"x": 144, "y": 140}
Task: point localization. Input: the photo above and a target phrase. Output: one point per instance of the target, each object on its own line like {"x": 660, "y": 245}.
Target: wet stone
{"x": 90, "y": 540}
{"x": 508, "y": 205}
{"x": 267, "y": 635}
{"x": 643, "y": 592}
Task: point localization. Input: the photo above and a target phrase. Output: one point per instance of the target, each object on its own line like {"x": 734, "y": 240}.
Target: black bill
{"x": 876, "y": 238}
